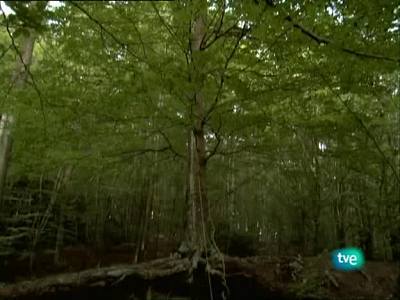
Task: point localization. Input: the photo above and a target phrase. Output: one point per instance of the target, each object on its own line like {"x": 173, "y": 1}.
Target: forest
{"x": 199, "y": 149}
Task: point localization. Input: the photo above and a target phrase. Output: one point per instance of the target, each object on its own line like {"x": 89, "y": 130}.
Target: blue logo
{"x": 348, "y": 259}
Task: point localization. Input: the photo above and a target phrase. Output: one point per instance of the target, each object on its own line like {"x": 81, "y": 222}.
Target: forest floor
{"x": 258, "y": 277}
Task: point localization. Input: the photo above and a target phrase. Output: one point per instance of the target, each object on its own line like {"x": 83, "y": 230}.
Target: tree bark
{"x": 24, "y": 60}
{"x": 197, "y": 201}
{"x": 5, "y": 151}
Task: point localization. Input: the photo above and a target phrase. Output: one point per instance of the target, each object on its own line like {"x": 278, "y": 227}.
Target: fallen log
{"x": 239, "y": 278}
{"x": 98, "y": 277}
{"x": 173, "y": 275}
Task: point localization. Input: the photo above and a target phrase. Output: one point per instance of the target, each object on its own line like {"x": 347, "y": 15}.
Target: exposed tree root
{"x": 172, "y": 275}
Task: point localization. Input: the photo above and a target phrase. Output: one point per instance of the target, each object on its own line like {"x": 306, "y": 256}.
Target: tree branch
{"x": 220, "y": 23}
{"x": 137, "y": 152}
{"x": 170, "y": 144}
{"x": 5, "y": 52}
{"x": 218, "y": 137}
{"x": 103, "y": 28}
{"x": 168, "y": 27}
{"x": 325, "y": 41}
{"x": 222, "y": 79}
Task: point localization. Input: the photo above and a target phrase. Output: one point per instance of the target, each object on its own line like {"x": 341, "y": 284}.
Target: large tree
{"x": 269, "y": 115}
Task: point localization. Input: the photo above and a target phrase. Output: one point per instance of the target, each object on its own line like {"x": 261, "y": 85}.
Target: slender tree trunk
{"x": 99, "y": 222}
{"x": 316, "y": 205}
{"x": 5, "y": 151}
{"x": 339, "y": 213}
{"x": 59, "y": 239}
{"x": 232, "y": 193}
{"x": 140, "y": 233}
{"x": 190, "y": 220}
{"x": 146, "y": 225}
{"x": 65, "y": 177}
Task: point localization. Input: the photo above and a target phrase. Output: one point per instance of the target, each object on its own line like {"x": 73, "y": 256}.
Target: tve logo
{"x": 348, "y": 259}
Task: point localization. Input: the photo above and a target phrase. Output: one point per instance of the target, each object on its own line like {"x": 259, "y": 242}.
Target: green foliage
{"x": 302, "y": 137}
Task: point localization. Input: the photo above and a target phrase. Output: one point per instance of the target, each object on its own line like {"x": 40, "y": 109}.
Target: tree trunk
{"x": 59, "y": 238}
{"x": 316, "y": 206}
{"x": 24, "y": 60}
{"x": 18, "y": 80}
{"x": 142, "y": 237}
{"x": 5, "y": 151}
{"x": 61, "y": 181}
{"x": 197, "y": 202}
{"x": 339, "y": 213}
